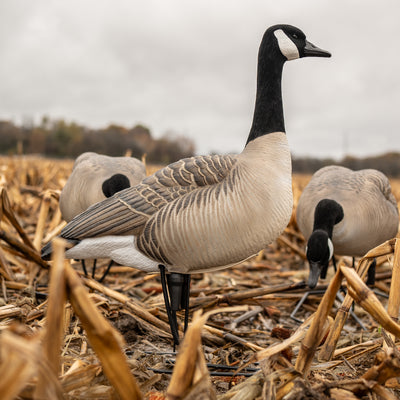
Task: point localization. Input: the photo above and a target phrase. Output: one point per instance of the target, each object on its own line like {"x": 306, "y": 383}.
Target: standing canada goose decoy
{"x": 206, "y": 212}
{"x": 95, "y": 177}
{"x": 345, "y": 212}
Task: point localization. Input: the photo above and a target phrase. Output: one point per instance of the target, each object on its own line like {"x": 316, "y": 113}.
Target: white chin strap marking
{"x": 287, "y": 47}
{"x": 330, "y": 245}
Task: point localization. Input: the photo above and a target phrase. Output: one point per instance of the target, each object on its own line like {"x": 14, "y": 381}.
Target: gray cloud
{"x": 190, "y": 67}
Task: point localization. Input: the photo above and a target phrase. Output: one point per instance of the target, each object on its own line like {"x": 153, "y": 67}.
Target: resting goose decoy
{"x": 206, "y": 212}
{"x": 95, "y": 177}
{"x": 345, "y": 212}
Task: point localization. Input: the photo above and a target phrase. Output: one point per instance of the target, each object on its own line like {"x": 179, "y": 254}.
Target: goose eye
{"x": 294, "y": 36}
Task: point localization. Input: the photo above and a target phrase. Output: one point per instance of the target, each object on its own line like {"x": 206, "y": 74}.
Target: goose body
{"x": 200, "y": 213}
{"x": 354, "y": 210}
{"x": 95, "y": 177}
{"x": 205, "y": 212}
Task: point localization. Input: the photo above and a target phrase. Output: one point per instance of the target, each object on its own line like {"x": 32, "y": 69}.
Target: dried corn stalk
{"x": 190, "y": 378}
{"x": 105, "y": 340}
{"x": 341, "y": 316}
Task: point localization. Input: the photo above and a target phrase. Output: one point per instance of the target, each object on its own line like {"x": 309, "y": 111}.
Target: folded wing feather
{"x": 127, "y": 211}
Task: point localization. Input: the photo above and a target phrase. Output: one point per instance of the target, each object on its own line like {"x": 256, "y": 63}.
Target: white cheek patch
{"x": 287, "y": 47}
{"x": 330, "y": 245}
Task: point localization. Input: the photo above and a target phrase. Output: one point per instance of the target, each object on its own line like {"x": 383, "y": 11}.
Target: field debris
{"x": 64, "y": 335}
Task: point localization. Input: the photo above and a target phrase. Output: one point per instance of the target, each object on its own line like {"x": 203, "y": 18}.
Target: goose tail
{"x": 47, "y": 249}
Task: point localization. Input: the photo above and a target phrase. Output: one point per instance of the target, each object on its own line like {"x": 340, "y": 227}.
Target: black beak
{"x": 315, "y": 270}
{"x": 313, "y": 51}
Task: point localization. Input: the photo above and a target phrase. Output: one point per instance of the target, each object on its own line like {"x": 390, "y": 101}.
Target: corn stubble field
{"x": 66, "y": 336}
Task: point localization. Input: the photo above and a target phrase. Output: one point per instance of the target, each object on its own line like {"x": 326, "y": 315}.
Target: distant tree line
{"x": 388, "y": 163}
{"x": 57, "y": 138}
{"x": 61, "y": 139}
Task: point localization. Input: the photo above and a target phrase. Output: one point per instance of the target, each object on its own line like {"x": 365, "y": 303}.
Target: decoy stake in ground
{"x": 206, "y": 212}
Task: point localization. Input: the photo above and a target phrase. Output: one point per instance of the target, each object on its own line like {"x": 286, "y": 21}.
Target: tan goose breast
{"x": 221, "y": 225}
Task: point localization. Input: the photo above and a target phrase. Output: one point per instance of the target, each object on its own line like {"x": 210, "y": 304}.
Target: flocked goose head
{"x": 279, "y": 44}
{"x": 292, "y": 43}
{"x": 115, "y": 184}
{"x": 319, "y": 250}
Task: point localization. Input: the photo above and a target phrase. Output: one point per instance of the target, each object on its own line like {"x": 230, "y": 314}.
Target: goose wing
{"x": 127, "y": 211}
{"x": 381, "y": 182}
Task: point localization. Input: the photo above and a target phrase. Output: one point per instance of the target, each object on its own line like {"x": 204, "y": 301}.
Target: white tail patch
{"x": 287, "y": 47}
{"x": 122, "y": 249}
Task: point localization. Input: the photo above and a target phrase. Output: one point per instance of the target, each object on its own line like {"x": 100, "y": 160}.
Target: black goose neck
{"x": 327, "y": 214}
{"x": 268, "y": 110}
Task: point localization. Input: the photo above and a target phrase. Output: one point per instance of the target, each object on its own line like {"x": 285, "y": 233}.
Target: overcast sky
{"x": 190, "y": 67}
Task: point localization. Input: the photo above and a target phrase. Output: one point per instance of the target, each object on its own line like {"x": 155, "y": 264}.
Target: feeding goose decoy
{"x": 206, "y": 212}
{"x": 345, "y": 212}
{"x": 95, "y": 177}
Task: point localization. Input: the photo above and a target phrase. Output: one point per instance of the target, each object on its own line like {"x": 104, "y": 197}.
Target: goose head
{"x": 115, "y": 184}
{"x": 291, "y": 43}
{"x": 279, "y": 44}
{"x": 319, "y": 250}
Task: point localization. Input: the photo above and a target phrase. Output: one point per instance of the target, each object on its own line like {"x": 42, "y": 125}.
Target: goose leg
{"x": 353, "y": 305}
{"x": 110, "y": 264}
{"x": 334, "y": 263}
{"x": 371, "y": 280}
{"x": 94, "y": 267}
{"x": 185, "y": 299}
{"x": 169, "y": 299}
{"x": 179, "y": 290}
{"x": 84, "y": 267}
{"x": 371, "y": 274}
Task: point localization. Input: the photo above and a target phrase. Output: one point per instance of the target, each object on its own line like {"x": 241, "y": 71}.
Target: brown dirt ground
{"x": 23, "y": 301}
